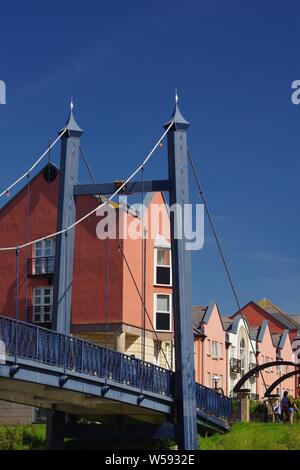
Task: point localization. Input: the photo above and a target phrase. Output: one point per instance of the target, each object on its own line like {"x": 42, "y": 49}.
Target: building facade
{"x": 210, "y": 347}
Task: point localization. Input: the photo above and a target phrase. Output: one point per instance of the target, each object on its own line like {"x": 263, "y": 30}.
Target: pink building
{"x": 271, "y": 347}
{"x": 210, "y": 350}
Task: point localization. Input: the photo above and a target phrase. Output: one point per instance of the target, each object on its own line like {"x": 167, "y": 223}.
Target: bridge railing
{"x": 213, "y": 403}
{"x": 49, "y": 347}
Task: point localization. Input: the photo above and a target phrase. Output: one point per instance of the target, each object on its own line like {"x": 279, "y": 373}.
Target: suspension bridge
{"x": 69, "y": 377}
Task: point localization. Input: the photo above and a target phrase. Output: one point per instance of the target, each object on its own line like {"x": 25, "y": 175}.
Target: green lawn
{"x": 255, "y": 436}
{"x": 23, "y": 437}
{"x": 242, "y": 436}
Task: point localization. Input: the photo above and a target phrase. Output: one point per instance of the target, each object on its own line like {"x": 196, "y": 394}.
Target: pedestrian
{"x": 277, "y": 411}
{"x": 285, "y": 407}
{"x": 292, "y": 408}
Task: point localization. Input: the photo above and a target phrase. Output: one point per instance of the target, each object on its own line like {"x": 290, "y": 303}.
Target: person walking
{"x": 292, "y": 408}
{"x": 285, "y": 407}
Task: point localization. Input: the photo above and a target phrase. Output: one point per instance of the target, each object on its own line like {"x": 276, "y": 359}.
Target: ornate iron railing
{"x": 35, "y": 343}
{"x": 41, "y": 266}
{"x": 46, "y": 346}
{"x": 212, "y": 402}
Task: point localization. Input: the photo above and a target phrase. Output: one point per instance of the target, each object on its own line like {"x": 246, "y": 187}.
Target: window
{"x": 162, "y": 312}
{"x": 208, "y": 379}
{"x": 215, "y": 349}
{"x": 208, "y": 347}
{"x": 216, "y": 380}
{"x": 242, "y": 356}
{"x": 42, "y": 304}
{"x": 44, "y": 252}
{"x": 221, "y": 350}
{"x": 157, "y": 349}
{"x": 163, "y": 267}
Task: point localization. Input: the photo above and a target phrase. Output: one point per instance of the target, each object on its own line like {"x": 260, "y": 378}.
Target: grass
{"x": 255, "y": 436}
{"x": 243, "y": 436}
{"x": 23, "y": 437}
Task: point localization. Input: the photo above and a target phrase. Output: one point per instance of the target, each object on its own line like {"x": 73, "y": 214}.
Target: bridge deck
{"x": 68, "y": 374}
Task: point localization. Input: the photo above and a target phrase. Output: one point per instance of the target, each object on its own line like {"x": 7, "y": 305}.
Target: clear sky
{"x": 233, "y": 63}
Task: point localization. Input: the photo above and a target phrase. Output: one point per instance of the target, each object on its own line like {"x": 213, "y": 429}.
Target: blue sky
{"x": 233, "y": 63}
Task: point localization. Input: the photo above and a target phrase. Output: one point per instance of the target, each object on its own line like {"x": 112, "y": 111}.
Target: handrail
{"x": 29, "y": 341}
{"x": 49, "y": 347}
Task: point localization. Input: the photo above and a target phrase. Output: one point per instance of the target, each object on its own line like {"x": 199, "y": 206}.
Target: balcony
{"x": 41, "y": 267}
{"x": 252, "y": 365}
{"x": 235, "y": 365}
{"x": 40, "y": 315}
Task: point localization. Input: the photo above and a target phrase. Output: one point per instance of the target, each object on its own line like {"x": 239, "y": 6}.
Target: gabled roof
{"x": 231, "y": 324}
{"x": 31, "y": 180}
{"x": 198, "y": 315}
{"x": 262, "y": 330}
{"x": 283, "y": 338}
{"x": 227, "y": 323}
{"x": 201, "y": 316}
{"x": 286, "y": 320}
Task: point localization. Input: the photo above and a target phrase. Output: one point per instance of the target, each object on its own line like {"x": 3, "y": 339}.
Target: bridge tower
{"x": 185, "y": 391}
{"x": 63, "y": 273}
{"x": 177, "y": 185}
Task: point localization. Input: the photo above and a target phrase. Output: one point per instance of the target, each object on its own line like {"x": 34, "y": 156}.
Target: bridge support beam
{"x": 54, "y": 437}
{"x": 185, "y": 389}
{"x": 244, "y": 396}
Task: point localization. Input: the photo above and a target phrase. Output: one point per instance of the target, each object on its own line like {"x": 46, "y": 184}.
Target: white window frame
{"x": 208, "y": 378}
{"x": 208, "y": 343}
{"x": 156, "y": 248}
{"x": 42, "y": 269}
{"x": 170, "y": 312}
{"x": 215, "y": 345}
{"x": 42, "y": 314}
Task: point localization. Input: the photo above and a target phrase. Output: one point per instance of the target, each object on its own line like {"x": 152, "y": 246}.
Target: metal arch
{"x": 278, "y": 381}
{"x": 254, "y": 371}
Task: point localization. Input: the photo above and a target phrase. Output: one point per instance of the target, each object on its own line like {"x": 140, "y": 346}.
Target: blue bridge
{"x": 59, "y": 372}
{"x": 51, "y": 369}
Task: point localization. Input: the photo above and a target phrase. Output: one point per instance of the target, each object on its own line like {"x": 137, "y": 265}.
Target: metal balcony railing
{"x": 252, "y": 365}
{"x": 40, "y": 314}
{"x": 235, "y": 365}
{"x": 42, "y": 266}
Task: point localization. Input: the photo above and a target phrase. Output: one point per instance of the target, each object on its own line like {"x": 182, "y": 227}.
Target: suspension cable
{"x": 17, "y": 304}
{"x": 143, "y": 277}
{"x": 27, "y": 215}
{"x": 6, "y": 191}
{"x": 132, "y": 276}
{"x": 229, "y": 277}
{"x": 86, "y": 216}
{"x": 106, "y": 307}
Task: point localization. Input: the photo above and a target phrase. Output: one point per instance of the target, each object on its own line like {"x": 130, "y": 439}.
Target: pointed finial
{"x": 71, "y": 125}
{"x": 179, "y": 121}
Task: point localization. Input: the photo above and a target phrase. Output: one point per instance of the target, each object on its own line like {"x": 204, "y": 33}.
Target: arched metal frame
{"x": 278, "y": 381}
{"x": 254, "y": 371}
